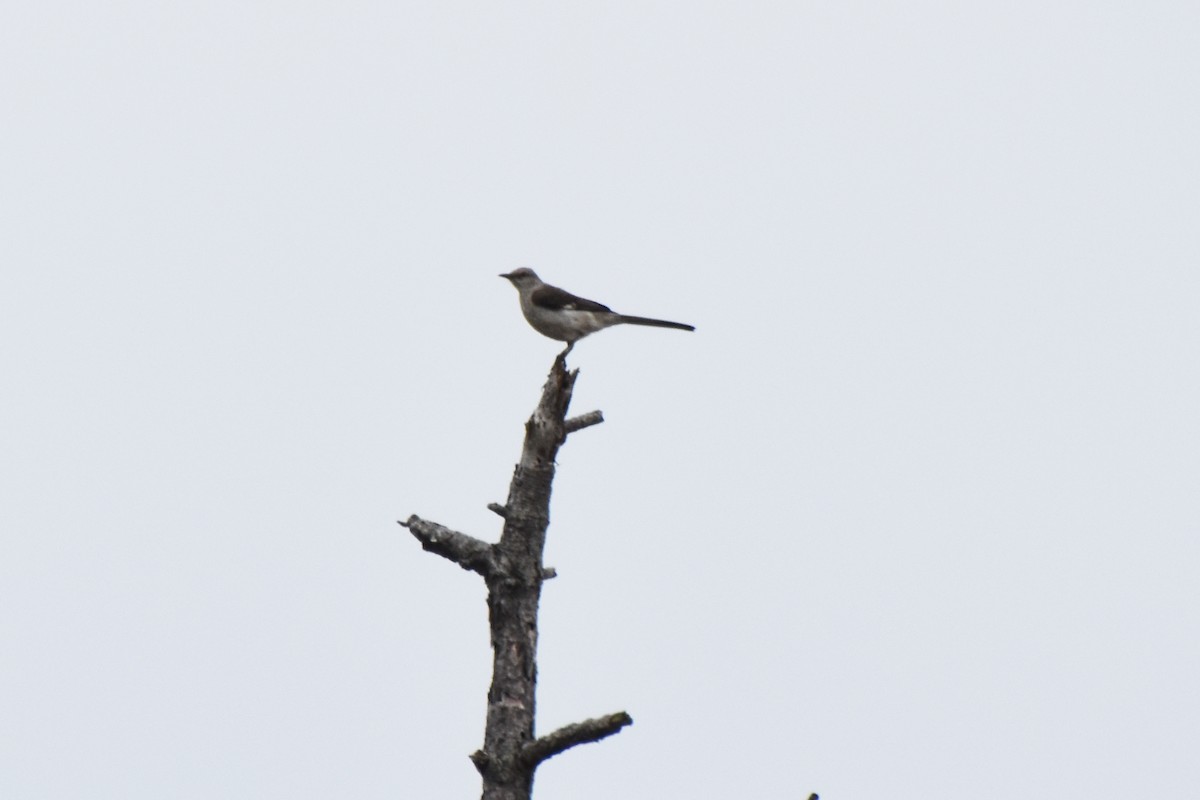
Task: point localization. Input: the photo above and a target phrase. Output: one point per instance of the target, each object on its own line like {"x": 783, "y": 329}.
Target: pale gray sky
{"x": 913, "y": 514}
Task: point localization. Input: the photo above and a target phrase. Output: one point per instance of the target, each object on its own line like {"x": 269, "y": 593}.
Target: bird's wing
{"x": 556, "y": 299}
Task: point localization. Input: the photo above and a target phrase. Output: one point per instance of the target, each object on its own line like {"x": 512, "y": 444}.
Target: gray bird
{"x": 561, "y": 315}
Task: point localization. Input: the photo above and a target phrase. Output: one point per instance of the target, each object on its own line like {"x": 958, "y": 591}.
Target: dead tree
{"x": 513, "y": 571}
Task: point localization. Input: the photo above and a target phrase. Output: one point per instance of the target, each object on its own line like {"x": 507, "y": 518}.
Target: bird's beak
{"x": 506, "y": 275}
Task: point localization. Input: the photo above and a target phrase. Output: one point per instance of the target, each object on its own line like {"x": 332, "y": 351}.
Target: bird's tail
{"x": 657, "y": 323}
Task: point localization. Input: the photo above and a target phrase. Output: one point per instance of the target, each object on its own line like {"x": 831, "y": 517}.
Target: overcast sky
{"x": 914, "y": 513}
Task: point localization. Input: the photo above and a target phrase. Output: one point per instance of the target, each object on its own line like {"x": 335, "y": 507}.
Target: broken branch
{"x": 466, "y": 551}
{"x": 590, "y": 730}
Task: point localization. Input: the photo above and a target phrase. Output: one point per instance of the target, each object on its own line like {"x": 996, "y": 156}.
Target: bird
{"x": 557, "y": 313}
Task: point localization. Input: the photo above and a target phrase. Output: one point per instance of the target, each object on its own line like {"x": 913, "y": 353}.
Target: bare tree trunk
{"x": 514, "y": 574}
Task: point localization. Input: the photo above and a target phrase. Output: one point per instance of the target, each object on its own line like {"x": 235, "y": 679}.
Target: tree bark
{"x": 514, "y": 574}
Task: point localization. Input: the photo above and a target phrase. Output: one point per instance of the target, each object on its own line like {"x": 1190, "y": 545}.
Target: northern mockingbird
{"x": 561, "y": 315}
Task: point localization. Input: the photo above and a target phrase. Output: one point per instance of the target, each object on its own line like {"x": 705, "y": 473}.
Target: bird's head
{"x": 521, "y": 277}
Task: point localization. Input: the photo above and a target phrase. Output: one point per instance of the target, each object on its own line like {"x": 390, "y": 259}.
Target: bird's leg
{"x": 563, "y": 354}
